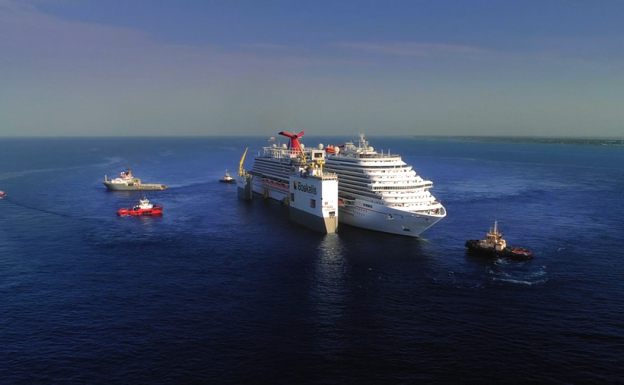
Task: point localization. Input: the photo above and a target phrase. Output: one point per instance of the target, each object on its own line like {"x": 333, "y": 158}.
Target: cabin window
{"x": 292, "y": 197}
{"x": 313, "y": 203}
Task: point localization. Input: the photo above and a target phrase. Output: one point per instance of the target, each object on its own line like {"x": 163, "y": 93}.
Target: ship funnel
{"x": 294, "y": 140}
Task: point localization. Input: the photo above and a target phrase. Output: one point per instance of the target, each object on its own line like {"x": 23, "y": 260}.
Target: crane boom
{"x": 241, "y": 170}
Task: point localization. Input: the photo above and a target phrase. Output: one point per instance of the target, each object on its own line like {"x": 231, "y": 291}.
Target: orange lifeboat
{"x": 333, "y": 149}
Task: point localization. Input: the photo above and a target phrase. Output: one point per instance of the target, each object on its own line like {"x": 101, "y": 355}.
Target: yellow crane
{"x": 241, "y": 170}
{"x": 320, "y": 163}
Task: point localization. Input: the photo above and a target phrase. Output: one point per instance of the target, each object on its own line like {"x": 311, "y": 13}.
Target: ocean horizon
{"x": 228, "y": 291}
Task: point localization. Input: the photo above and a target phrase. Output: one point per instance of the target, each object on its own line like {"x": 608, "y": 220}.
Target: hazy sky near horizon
{"x": 327, "y": 67}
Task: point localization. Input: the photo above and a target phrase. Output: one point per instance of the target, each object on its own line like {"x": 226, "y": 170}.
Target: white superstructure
{"x": 271, "y": 171}
{"x": 380, "y": 191}
{"x": 294, "y": 175}
{"x": 313, "y": 198}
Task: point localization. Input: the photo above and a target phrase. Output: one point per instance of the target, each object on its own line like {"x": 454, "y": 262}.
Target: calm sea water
{"x": 219, "y": 290}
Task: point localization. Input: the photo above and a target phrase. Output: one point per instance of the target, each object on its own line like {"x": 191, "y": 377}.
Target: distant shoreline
{"x": 540, "y": 140}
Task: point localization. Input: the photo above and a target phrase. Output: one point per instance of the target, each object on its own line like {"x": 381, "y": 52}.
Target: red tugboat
{"x": 2, "y": 194}
{"x": 144, "y": 207}
{"x": 495, "y": 245}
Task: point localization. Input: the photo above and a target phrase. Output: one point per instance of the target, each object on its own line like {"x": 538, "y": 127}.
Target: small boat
{"x": 2, "y": 194}
{"x": 144, "y": 207}
{"x": 495, "y": 245}
{"x": 227, "y": 178}
{"x": 126, "y": 182}
{"x": 271, "y": 139}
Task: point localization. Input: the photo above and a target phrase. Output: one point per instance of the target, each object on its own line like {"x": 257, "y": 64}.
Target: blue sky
{"x": 193, "y": 67}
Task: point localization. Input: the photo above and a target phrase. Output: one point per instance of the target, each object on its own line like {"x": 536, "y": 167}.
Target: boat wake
{"x": 459, "y": 279}
{"x": 44, "y": 211}
{"x": 502, "y": 274}
{"x": 189, "y": 183}
{"x": 18, "y": 174}
{"x": 110, "y": 161}
{"x": 36, "y": 208}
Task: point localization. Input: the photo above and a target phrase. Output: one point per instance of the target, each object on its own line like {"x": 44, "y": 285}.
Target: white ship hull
{"x": 244, "y": 186}
{"x": 287, "y": 176}
{"x": 385, "y": 219}
{"x": 313, "y": 202}
{"x": 374, "y": 191}
{"x": 380, "y": 192}
{"x": 314, "y": 206}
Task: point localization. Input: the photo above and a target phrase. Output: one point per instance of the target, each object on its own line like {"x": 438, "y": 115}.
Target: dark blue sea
{"x": 219, "y": 290}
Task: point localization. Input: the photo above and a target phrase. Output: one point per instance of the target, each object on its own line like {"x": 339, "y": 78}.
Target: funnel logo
{"x": 306, "y": 188}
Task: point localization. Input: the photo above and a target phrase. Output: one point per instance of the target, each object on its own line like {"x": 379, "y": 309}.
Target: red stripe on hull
{"x": 156, "y": 210}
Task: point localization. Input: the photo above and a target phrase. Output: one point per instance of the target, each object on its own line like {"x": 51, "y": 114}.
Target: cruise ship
{"x": 380, "y": 192}
{"x": 294, "y": 175}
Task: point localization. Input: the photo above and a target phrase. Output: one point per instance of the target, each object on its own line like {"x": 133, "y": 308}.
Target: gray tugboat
{"x": 126, "y": 182}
